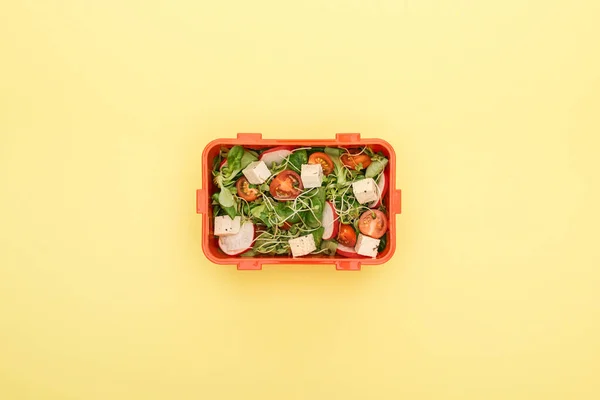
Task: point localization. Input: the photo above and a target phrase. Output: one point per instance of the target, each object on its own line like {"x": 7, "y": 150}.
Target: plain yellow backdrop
{"x": 493, "y": 108}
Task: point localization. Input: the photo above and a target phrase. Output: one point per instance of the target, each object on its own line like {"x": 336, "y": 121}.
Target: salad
{"x": 300, "y": 201}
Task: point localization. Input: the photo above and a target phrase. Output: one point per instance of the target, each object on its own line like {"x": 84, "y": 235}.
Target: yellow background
{"x": 492, "y": 107}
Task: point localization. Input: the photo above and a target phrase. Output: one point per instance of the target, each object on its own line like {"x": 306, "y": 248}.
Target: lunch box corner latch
{"x": 347, "y": 265}
{"x": 250, "y": 138}
{"x": 201, "y": 201}
{"x": 348, "y": 137}
{"x": 249, "y": 265}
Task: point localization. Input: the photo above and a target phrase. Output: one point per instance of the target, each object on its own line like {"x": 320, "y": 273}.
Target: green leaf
{"x": 260, "y": 213}
{"x": 376, "y": 167}
{"x": 284, "y": 212}
{"x": 226, "y": 198}
{"x": 249, "y": 253}
{"x": 247, "y": 158}
{"x": 333, "y": 152}
{"x": 297, "y": 158}
{"x": 382, "y": 243}
{"x": 234, "y": 158}
{"x": 329, "y": 247}
{"x": 317, "y": 205}
{"x": 318, "y": 236}
{"x": 340, "y": 171}
{"x": 257, "y": 211}
{"x": 237, "y": 159}
{"x": 231, "y": 211}
{"x": 316, "y": 150}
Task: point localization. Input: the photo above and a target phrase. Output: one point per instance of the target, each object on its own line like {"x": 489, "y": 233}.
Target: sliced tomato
{"x": 373, "y": 223}
{"x": 324, "y": 160}
{"x": 245, "y": 191}
{"x": 347, "y": 235}
{"x": 286, "y": 186}
{"x": 352, "y": 159}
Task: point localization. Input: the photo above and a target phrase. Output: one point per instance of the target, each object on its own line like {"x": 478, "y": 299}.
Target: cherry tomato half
{"x": 347, "y": 235}
{"x": 373, "y": 223}
{"x": 324, "y": 160}
{"x": 245, "y": 191}
{"x": 286, "y": 186}
{"x": 352, "y": 159}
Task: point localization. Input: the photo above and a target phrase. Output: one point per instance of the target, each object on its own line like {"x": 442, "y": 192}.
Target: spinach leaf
{"x": 318, "y": 236}
{"x": 329, "y": 247}
{"x": 260, "y": 213}
{"x": 247, "y": 158}
{"x": 237, "y": 159}
{"x": 316, "y": 150}
{"x": 234, "y": 158}
{"x": 284, "y": 212}
{"x": 313, "y": 219}
{"x": 297, "y": 158}
{"x": 382, "y": 243}
{"x": 231, "y": 211}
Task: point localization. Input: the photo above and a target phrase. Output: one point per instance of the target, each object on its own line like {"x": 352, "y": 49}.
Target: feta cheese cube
{"x": 366, "y": 246}
{"x": 365, "y": 190}
{"x": 302, "y": 245}
{"x": 311, "y": 175}
{"x": 257, "y": 172}
{"x": 225, "y": 226}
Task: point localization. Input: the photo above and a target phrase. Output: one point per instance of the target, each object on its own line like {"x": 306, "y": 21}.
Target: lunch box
{"x": 391, "y": 201}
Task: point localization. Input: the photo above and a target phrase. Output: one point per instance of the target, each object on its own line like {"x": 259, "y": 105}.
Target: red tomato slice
{"x": 347, "y": 235}
{"x": 373, "y": 223}
{"x": 352, "y": 159}
{"x": 245, "y": 191}
{"x": 286, "y": 186}
{"x": 324, "y": 160}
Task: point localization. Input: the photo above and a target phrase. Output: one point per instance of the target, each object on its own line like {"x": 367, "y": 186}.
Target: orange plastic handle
{"x": 201, "y": 201}
{"x": 249, "y": 265}
{"x": 347, "y": 265}
{"x": 396, "y": 201}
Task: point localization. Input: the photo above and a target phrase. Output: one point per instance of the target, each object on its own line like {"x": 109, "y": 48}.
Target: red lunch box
{"x": 392, "y": 202}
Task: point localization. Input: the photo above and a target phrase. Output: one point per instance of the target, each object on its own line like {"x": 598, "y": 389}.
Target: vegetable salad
{"x": 300, "y": 201}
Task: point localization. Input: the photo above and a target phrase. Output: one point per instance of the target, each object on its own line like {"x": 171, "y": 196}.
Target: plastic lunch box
{"x": 392, "y": 201}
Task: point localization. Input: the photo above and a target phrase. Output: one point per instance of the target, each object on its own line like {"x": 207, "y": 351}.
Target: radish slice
{"x": 238, "y": 243}
{"x": 382, "y": 185}
{"x": 276, "y": 155}
{"x": 347, "y": 251}
{"x": 330, "y": 221}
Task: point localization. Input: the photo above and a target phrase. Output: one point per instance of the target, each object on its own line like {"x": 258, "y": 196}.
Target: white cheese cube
{"x": 302, "y": 245}
{"x": 257, "y": 172}
{"x": 365, "y": 190}
{"x": 366, "y": 246}
{"x": 311, "y": 175}
{"x": 225, "y": 226}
